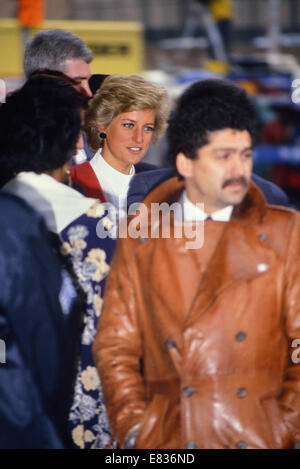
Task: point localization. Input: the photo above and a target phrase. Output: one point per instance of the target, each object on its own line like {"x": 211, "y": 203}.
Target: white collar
{"x": 192, "y": 212}
{"x": 57, "y": 203}
{"x": 114, "y": 184}
{"x": 107, "y": 175}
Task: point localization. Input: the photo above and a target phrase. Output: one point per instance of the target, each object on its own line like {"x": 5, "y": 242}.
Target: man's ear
{"x": 184, "y": 165}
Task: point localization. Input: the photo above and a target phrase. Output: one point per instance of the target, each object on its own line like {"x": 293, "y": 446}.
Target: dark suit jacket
{"x": 144, "y": 182}
{"x": 36, "y": 358}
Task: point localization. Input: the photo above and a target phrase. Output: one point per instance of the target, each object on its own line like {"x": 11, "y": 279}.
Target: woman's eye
{"x": 149, "y": 128}
{"x": 128, "y": 125}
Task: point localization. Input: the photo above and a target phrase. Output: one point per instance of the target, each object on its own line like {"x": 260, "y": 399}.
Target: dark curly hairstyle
{"x": 40, "y": 125}
{"x": 204, "y": 107}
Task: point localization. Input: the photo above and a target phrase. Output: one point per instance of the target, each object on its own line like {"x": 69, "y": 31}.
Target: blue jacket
{"x": 144, "y": 182}
{"x": 36, "y": 355}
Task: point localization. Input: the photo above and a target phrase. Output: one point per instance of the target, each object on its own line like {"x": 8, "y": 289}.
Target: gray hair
{"x": 51, "y": 48}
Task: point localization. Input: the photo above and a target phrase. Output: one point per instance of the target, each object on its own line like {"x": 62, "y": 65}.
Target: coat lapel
{"x": 239, "y": 257}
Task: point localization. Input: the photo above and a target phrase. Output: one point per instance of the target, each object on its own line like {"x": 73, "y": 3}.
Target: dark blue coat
{"x": 36, "y": 359}
{"x": 144, "y": 182}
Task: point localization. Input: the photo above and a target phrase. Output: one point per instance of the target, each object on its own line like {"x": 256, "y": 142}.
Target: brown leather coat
{"x": 195, "y": 345}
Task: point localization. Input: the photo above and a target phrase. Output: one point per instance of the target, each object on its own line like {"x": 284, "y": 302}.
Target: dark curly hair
{"x": 40, "y": 125}
{"x": 204, "y": 107}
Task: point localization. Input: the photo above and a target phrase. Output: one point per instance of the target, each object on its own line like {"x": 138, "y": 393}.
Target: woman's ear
{"x": 184, "y": 165}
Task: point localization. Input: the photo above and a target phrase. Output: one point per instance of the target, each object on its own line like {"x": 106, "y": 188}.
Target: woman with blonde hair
{"x": 123, "y": 117}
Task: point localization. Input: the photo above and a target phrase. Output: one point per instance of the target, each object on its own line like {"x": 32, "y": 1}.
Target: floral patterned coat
{"x": 86, "y": 237}
{"x": 90, "y": 257}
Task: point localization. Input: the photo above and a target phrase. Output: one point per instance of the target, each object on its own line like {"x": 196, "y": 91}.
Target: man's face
{"x": 221, "y": 173}
{"x": 80, "y": 71}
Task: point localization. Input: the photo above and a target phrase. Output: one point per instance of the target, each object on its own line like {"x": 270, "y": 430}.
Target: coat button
{"x": 191, "y": 445}
{"x": 242, "y": 392}
{"x": 188, "y": 391}
{"x": 262, "y": 267}
{"x": 240, "y": 336}
{"x": 263, "y": 236}
{"x": 170, "y": 343}
{"x": 241, "y": 444}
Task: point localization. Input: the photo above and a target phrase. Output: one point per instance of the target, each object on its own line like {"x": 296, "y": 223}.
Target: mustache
{"x": 240, "y": 180}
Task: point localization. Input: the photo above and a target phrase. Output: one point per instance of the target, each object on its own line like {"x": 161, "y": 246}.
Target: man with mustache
{"x": 195, "y": 342}
{"x": 144, "y": 182}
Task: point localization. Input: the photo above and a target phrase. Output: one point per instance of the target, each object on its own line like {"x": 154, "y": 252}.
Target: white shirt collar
{"x": 192, "y": 212}
{"x": 107, "y": 174}
{"x": 113, "y": 183}
{"x": 57, "y": 203}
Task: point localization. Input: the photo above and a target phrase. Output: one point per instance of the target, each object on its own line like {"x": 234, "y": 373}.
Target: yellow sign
{"x": 118, "y": 47}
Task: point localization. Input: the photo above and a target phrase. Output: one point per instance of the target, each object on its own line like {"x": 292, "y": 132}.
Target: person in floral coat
{"x": 35, "y": 161}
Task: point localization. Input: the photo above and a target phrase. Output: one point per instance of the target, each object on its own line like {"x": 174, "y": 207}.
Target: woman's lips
{"x": 135, "y": 149}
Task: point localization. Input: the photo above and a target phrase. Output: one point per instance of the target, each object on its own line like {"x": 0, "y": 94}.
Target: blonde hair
{"x": 118, "y": 94}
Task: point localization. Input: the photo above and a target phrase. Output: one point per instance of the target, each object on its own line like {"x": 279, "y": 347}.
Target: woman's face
{"x": 128, "y": 137}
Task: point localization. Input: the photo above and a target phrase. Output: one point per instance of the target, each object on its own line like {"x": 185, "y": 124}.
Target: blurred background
{"x": 255, "y": 43}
